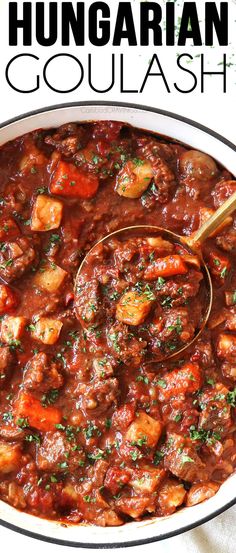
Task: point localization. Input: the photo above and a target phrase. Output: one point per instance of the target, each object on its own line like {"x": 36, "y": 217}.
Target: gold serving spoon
{"x": 193, "y": 244}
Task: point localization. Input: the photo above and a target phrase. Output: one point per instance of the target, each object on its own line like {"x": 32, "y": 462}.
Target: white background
{"x": 213, "y": 109}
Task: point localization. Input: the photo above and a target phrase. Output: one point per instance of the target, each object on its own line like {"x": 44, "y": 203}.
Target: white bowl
{"x": 199, "y": 137}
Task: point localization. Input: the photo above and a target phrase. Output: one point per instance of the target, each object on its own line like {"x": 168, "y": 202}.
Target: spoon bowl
{"x": 146, "y": 231}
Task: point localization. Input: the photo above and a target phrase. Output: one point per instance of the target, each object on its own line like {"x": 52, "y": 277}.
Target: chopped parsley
{"x": 186, "y": 459}
{"x": 33, "y": 438}
{"x": 50, "y": 397}
{"x": 135, "y": 455}
{"x": 7, "y": 417}
{"x": 158, "y": 456}
{"x": 140, "y": 441}
{"x": 231, "y": 398}
{"x": 206, "y": 436}
{"x": 178, "y": 417}
{"x": 42, "y": 190}
{"x": 98, "y": 454}
{"x": 142, "y": 378}
{"x": 162, "y": 383}
{"x": 22, "y": 423}
{"x": 224, "y": 272}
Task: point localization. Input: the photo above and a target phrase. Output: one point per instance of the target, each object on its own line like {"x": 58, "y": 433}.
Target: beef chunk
{"x": 215, "y": 409}
{"x": 98, "y": 396}
{"x": 6, "y": 362}
{"x": 10, "y": 457}
{"x": 41, "y": 375}
{"x": 183, "y": 461}
{"x": 164, "y": 177}
{"x": 88, "y": 308}
{"x": 16, "y": 258}
{"x": 178, "y": 289}
{"x": 57, "y": 454}
{"x": 203, "y": 353}
{"x": 178, "y": 322}
{"x": 227, "y": 240}
{"x": 116, "y": 478}
{"x": 123, "y": 345}
{"x": 67, "y": 139}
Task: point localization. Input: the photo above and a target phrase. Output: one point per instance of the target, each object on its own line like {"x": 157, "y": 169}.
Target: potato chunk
{"x": 134, "y": 178}
{"x": 47, "y": 330}
{"x": 144, "y": 430}
{"x": 134, "y": 307}
{"x": 46, "y": 214}
{"x": 136, "y": 506}
{"x": 10, "y": 456}
{"x": 201, "y": 492}
{"x": 8, "y": 299}
{"x": 226, "y": 347}
{"x": 171, "y": 495}
{"x": 197, "y": 165}
{"x": 160, "y": 245}
{"x": 146, "y": 480}
{"x": 12, "y": 328}
{"x": 50, "y": 279}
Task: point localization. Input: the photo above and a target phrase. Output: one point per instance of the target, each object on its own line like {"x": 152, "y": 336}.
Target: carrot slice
{"x": 68, "y": 180}
{"x": 37, "y": 416}
{"x": 165, "y": 267}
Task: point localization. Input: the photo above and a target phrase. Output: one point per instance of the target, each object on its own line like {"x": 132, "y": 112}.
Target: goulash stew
{"x": 90, "y": 430}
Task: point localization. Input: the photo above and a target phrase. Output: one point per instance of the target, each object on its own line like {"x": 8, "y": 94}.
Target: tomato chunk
{"x": 67, "y": 180}
{"x": 37, "y": 416}
{"x": 165, "y": 267}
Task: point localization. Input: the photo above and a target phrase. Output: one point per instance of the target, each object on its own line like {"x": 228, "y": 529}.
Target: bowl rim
{"x": 116, "y": 545}
{"x": 104, "y": 103}
{"x": 225, "y": 507}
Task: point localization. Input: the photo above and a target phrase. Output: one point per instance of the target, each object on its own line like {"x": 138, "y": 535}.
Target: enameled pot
{"x": 198, "y": 137}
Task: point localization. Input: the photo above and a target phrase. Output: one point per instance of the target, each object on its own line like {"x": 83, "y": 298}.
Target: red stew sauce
{"x": 90, "y": 432}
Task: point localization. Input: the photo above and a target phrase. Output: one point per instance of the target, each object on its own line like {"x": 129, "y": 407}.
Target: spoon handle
{"x": 213, "y": 222}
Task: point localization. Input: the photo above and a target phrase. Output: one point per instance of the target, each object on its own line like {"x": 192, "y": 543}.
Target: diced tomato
{"x": 37, "y": 416}
{"x": 8, "y": 299}
{"x": 68, "y": 180}
{"x": 185, "y": 380}
{"x": 8, "y": 229}
{"x": 165, "y": 267}
{"x": 219, "y": 265}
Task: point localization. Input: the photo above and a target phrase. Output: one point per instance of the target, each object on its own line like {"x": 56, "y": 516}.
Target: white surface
{"x": 217, "y": 536}
{"x": 213, "y": 109}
